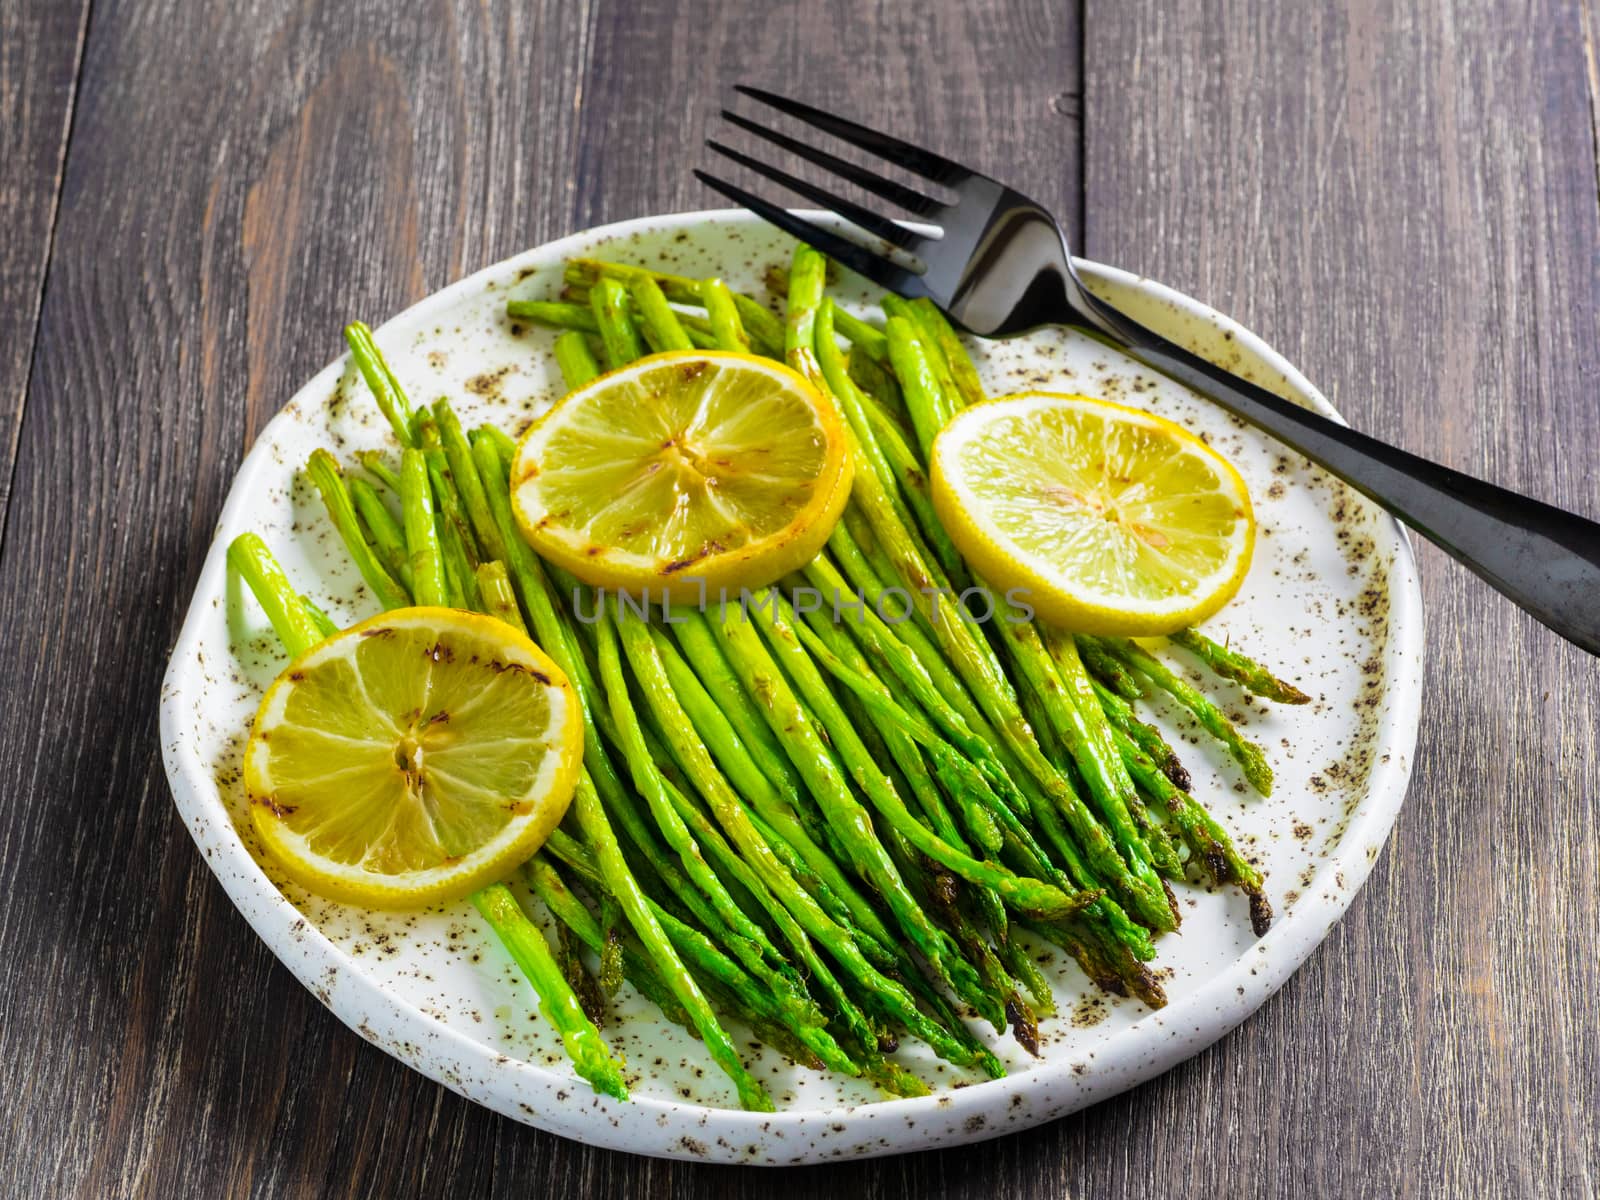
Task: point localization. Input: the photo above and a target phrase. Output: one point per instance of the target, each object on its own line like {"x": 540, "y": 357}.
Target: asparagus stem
{"x": 1121, "y": 715}
{"x": 325, "y": 624}
{"x": 1108, "y": 671}
{"x": 1212, "y": 719}
{"x": 1204, "y": 834}
{"x": 456, "y": 544}
{"x": 373, "y": 464}
{"x": 557, "y": 1001}
{"x": 724, "y": 314}
{"x": 884, "y": 446}
{"x": 766, "y": 331}
{"x": 943, "y": 340}
{"x": 880, "y": 385}
{"x": 468, "y": 485}
{"x": 711, "y": 669}
{"x": 1028, "y": 895}
{"x": 609, "y": 302}
{"x": 744, "y": 997}
{"x": 723, "y": 740}
{"x": 924, "y": 394}
{"x": 619, "y": 879}
{"x": 422, "y": 531}
{"x": 657, "y": 316}
{"x": 750, "y": 944}
{"x": 329, "y": 481}
{"x": 867, "y": 337}
{"x": 555, "y": 634}
{"x": 1083, "y": 731}
{"x": 845, "y": 815}
{"x": 497, "y": 596}
{"x": 576, "y": 361}
{"x": 292, "y": 620}
{"x": 384, "y": 532}
{"x": 386, "y": 389}
{"x": 1246, "y": 672}
{"x": 548, "y": 885}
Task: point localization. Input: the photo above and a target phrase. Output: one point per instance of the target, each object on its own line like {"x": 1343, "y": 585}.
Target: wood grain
{"x": 1405, "y": 203}
{"x": 40, "y": 46}
{"x": 241, "y": 181}
{"x": 1402, "y": 199}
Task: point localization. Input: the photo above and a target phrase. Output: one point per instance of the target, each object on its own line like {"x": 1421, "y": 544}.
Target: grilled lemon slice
{"x": 412, "y": 758}
{"x": 1111, "y": 519}
{"x": 681, "y": 468}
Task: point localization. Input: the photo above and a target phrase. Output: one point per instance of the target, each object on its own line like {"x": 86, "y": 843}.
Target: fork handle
{"x": 1545, "y": 559}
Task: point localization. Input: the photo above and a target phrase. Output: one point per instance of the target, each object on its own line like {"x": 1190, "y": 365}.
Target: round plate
{"x": 1332, "y": 602}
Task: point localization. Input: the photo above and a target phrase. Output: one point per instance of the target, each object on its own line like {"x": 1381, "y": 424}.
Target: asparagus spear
{"x": 1246, "y": 672}
{"x": 1212, "y": 719}
{"x": 1108, "y": 670}
{"x": 554, "y": 632}
{"x": 467, "y": 484}
{"x": 580, "y": 318}
{"x": 884, "y": 446}
{"x": 388, "y": 540}
{"x": 386, "y": 389}
{"x": 1121, "y": 715}
{"x": 867, "y": 337}
{"x": 637, "y": 969}
{"x": 723, "y": 312}
{"x": 724, "y": 802}
{"x": 609, "y": 302}
{"x": 291, "y": 619}
{"x": 587, "y": 807}
{"x": 846, "y": 817}
{"x": 1205, "y": 835}
{"x": 766, "y": 331}
{"x": 740, "y": 995}
{"x": 373, "y": 463}
{"x": 971, "y": 658}
{"x": 329, "y": 481}
{"x": 1028, "y": 895}
{"x": 324, "y": 623}
{"x": 879, "y": 384}
{"x": 724, "y": 742}
{"x": 422, "y": 532}
{"x": 657, "y": 316}
{"x": 750, "y": 942}
{"x": 557, "y": 1001}
{"x": 937, "y": 333}
{"x": 575, "y": 359}
{"x": 457, "y": 547}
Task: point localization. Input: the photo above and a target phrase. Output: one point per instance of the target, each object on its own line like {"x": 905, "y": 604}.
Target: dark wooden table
{"x": 194, "y": 195}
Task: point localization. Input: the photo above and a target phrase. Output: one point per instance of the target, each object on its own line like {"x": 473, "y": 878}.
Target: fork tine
{"x": 859, "y": 259}
{"x": 903, "y": 154}
{"x": 895, "y": 193}
{"x": 895, "y": 235}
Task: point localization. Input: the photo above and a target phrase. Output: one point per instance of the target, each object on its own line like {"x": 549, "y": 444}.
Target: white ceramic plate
{"x": 1332, "y": 601}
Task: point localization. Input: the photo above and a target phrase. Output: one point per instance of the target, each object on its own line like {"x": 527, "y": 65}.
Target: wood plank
{"x": 243, "y": 180}
{"x": 660, "y": 76}
{"x": 1401, "y": 198}
{"x": 41, "y": 42}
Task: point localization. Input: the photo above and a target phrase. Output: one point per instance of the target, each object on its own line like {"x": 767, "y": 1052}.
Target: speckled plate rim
{"x": 649, "y": 1126}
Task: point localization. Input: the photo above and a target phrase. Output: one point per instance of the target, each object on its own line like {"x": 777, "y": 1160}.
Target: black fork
{"x": 1000, "y": 264}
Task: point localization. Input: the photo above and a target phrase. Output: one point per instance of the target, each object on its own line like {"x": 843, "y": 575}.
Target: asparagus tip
{"x": 1260, "y": 912}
